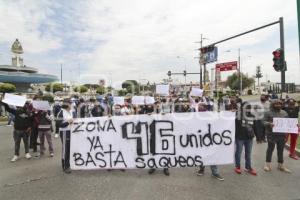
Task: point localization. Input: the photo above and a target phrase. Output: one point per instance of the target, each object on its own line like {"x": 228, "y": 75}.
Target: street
{"x": 43, "y": 179}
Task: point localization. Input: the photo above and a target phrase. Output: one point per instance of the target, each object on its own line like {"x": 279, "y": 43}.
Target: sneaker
{"x": 284, "y": 169}
{"x": 51, "y": 154}
{"x": 14, "y": 159}
{"x": 166, "y": 172}
{"x": 251, "y": 171}
{"x": 200, "y": 172}
{"x": 27, "y": 155}
{"x": 238, "y": 170}
{"x": 295, "y": 157}
{"x": 56, "y": 135}
{"x": 67, "y": 171}
{"x": 218, "y": 176}
{"x": 37, "y": 155}
{"x": 151, "y": 171}
{"x": 267, "y": 167}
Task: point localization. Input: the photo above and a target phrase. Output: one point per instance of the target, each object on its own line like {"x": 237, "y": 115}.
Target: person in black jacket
{"x": 244, "y": 137}
{"x": 22, "y": 129}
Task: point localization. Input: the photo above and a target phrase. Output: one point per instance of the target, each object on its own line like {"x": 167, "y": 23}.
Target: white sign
{"x": 196, "y": 92}
{"x": 149, "y": 100}
{"x": 153, "y": 141}
{"x": 41, "y": 105}
{"x": 138, "y": 100}
{"x": 118, "y": 100}
{"x": 285, "y": 125}
{"x": 14, "y": 100}
{"x": 162, "y": 90}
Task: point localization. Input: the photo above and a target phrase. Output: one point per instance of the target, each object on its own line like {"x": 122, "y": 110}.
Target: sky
{"x": 117, "y": 40}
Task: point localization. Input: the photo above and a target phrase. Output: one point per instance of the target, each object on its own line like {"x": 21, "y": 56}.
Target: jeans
{"x": 33, "y": 139}
{"x": 17, "y": 138}
{"x": 279, "y": 142}
{"x": 214, "y": 169}
{"x": 238, "y": 151}
{"x": 42, "y": 135}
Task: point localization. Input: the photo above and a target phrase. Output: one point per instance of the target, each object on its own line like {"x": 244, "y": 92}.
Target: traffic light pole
{"x": 201, "y": 86}
{"x": 282, "y": 47}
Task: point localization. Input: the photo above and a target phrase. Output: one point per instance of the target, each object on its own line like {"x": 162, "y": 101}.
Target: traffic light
{"x": 169, "y": 73}
{"x": 278, "y": 60}
{"x": 207, "y": 49}
{"x": 184, "y": 72}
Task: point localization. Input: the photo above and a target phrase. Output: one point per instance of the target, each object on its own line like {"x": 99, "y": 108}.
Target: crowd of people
{"x": 252, "y": 121}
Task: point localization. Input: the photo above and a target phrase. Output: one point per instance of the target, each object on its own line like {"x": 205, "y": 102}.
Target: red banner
{"x": 226, "y": 66}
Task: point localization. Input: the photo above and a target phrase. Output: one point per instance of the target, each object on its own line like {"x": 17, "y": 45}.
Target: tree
{"x": 54, "y": 87}
{"x": 83, "y": 89}
{"x": 131, "y": 86}
{"x": 234, "y": 84}
{"x": 48, "y": 98}
{"x": 258, "y": 75}
{"x": 122, "y": 92}
{"x": 100, "y": 90}
{"x": 7, "y": 88}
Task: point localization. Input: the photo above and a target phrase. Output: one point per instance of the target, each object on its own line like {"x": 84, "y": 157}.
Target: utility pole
{"x": 240, "y": 71}
{"x": 201, "y": 86}
{"x": 283, "y": 56}
{"x": 61, "y": 80}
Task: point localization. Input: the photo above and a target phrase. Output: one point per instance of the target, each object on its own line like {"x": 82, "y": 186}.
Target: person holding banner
{"x": 22, "y": 129}
{"x": 65, "y": 120}
{"x": 292, "y": 111}
{"x": 275, "y": 139}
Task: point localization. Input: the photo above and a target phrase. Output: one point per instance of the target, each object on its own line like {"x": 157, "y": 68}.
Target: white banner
{"x": 41, "y": 105}
{"x": 162, "y": 90}
{"x": 285, "y": 125}
{"x": 153, "y": 141}
{"x": 14, "y": 100}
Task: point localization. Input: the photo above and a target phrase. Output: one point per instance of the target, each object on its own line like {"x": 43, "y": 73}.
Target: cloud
{"x": 142, "y": 39}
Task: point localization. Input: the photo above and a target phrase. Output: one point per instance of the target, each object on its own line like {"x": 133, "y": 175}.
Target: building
{"x": 21, "y": 75}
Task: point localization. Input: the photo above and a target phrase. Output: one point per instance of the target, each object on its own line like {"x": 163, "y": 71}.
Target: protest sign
{"x": 118, "y": 100}
{"x": 285, "y": 125}
{"x": 196, "y": 92}
{"x": 138, "y": 100}
{"x": 41, "y": 105}
{"x": 149, "y": 100}
{"x": 14, "y": 100}
{"x": 152, "y": 141}
{"x": 162, "y": 90}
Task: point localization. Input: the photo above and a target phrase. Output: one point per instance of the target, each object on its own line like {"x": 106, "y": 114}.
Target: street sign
{"x": 208, "y": 54}
{"x": 226, "y": 66}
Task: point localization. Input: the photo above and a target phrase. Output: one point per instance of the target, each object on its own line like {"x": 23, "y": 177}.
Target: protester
{"x": 214, "y": 169}
{"x": 97, "y": 111}
{"x": 44, "y": 130}
{"x": 150, "y": 109}
{"x": 259, "y": 128}
{"x": 65, "y": 120}
{"x": 244, "y": 135}
{"x": 56, "y": 110}
{"x": 292, "y": 111}
{"x": 275, "y": 139}
{"x": 22, "y": 129}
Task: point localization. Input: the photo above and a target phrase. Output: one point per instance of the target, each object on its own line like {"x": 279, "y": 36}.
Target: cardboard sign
{"x": 41, "y": 105}
{"x": 14, "y": 100}
{"x": 138, "y": 100}
{"x": 285, "y": 125}
{"x": 118, "y": 100}
{"x": 196, "y": 92}
{"x": 149, "y": 100}
{"x": 162, "y": 90}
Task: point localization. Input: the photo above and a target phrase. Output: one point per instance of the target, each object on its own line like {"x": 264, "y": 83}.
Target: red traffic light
{"x": 277, "y": 54}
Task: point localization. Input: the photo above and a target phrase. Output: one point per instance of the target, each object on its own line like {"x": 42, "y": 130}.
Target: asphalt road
{"x": 39, "y": 179}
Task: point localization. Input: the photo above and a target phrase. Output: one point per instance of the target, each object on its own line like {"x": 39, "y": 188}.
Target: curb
{"x": 297, "y": 150}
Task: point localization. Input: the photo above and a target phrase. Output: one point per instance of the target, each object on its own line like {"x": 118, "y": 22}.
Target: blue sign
{"x": 211, "y": 56}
